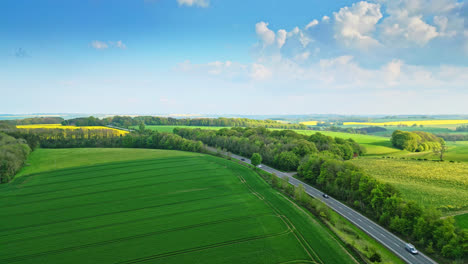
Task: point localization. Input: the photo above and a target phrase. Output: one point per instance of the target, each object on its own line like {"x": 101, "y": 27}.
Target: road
{"x": 386, "y": 238}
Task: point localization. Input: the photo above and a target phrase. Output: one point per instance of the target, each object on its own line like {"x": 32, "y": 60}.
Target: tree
{"x": 440, "y": 150}
{"x": 142, "y": 127}
{"x": 256, "y": 159}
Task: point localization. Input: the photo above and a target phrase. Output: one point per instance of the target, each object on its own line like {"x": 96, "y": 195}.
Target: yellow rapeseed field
{"x": 409, "y": 123}
{"x": 310, "y": 123}
{"x": 59, "y": 126}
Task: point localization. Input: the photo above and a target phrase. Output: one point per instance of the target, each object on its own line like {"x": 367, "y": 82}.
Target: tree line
{"x": 104, "y": 138}
{"x": 453, "y": 137}
{"x": 13, "y": 155}
{"x": 282, "y": 149}
{"x": 416, "y": 141}
{"x": 127, "y": 121}
{"x": 383, "y": 203}
{"x": 35, "y": 121}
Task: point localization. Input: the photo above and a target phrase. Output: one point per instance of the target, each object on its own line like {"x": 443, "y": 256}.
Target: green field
{"x": 441, "y": 185}
{"x": 164, "y": 207}
{"x": 375, "y": 145}
{"x": 462, "y": 220}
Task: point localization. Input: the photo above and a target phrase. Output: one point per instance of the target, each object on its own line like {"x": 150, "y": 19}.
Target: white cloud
{"x": 302, "y": 38}
{"x": 99, "y": 44}
{"x": 104, "y": 45}
{"x": 201, "y": 3}
{"x": 266, "y": 35}
{"x": 281, "y": 37}
{"x": 325, "y": 19}
{"x": 411, "y": 29}
{"x": 312, "y": 24}
{"x": 259, "y": 72}
{"x": 354, "y": 25}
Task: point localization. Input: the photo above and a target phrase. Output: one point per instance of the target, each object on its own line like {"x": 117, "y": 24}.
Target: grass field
{"x": 462, "y": 220}
{"x": 163, "y": 207}
{"x": 59, "y": 126}
{"x": 442, "y": 185}
{"x": 375, "y": 145}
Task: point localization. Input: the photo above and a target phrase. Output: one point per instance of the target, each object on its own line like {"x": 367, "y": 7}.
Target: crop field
{"x": 167, "y": 207}
{"x": 435, "y": 123}
{"x": 441, "y": 185}
{"x": 310, "y": 123}
{"x": 457, "y": 151}
{"x": 59, "y": 126}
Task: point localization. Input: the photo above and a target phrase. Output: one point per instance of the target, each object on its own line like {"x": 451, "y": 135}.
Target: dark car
{"x": 325, "y": 195}
{"x": 243, "y": 159}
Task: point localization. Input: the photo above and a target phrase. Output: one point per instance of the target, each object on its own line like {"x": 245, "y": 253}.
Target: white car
{"x": 259, "y": 166}
{"x": 411, "y": 249}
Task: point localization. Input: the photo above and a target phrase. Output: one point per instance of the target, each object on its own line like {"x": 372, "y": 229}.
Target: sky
{"x": 260, "y": 57}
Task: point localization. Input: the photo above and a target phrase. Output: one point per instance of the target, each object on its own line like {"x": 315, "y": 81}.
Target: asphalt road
{"x": 389, "y": 240}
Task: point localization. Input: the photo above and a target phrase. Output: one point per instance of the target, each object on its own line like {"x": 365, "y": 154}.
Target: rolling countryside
{"x": 164, "y": 207}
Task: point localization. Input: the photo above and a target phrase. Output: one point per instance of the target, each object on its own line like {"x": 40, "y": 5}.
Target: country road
{"x": 386, "y": 238}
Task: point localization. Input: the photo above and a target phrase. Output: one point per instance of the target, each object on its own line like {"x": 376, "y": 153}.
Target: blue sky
{"x": 234, "y": 57}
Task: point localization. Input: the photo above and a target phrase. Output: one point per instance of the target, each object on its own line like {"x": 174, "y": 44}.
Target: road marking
{"x": 359, "y": 220}
{"x": 382, "y": 234}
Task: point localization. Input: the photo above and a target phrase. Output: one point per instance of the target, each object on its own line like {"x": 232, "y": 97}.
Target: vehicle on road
{"x": 259, "y": 166}
{"x": 243, "y": 159}
{"x": 411, "y": 249}
{"x": 325, "y": 195}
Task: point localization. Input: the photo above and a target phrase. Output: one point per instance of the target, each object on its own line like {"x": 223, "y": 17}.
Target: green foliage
{"x": 256, "y": 159}
{"x": 126, "y": 121}
{"x": 287, "y": 161}
{"x": 282, "y": 149}
{"x": 416, "y": 141}
{"x": 59, "y": 138}
{"x": 13, "y": 155}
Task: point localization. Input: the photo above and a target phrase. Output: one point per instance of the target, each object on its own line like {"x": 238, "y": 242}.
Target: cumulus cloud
{"x": 354, "y": 25}
{"x": 281, "y": 37}
{"x": 200, "y": 3}
{"x": 266, "y": 35}
{"x": 411, "y": 29}
{"x": 420, "y": 21}
{"x": 312, "y": 24}
{"x": 325, "y": 19}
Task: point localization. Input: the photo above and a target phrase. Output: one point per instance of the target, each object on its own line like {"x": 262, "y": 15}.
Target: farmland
{"x": 435, "y": 123}
{"x": 160, "y": 207}
{"x": 59, "y": 126}
{"x": 442, "y": 185}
